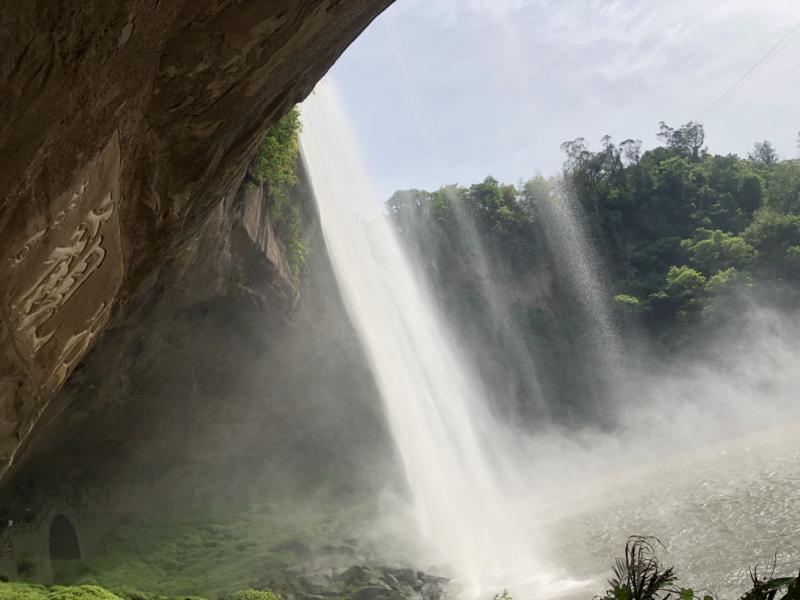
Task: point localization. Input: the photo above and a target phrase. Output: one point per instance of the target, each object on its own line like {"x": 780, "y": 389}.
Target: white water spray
{"x": 582, "y": 265}
{"x": 499, "y": 310}
{"x": 435, "y": 407}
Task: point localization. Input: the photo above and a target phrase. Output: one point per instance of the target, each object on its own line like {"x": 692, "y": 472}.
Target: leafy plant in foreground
{"x": 640, "y": 574}
{"x": 768, "y": 587}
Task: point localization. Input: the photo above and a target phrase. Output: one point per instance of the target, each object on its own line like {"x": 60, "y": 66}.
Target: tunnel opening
{"x": 64, "y": 543}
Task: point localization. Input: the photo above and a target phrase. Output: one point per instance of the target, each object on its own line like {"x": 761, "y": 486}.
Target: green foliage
{"x": 783, "y": 185}
{"x": 30, "y": 591}
{"x": 726, "y": 280}
{"x": 441, "y": 224}
{"x": 768, "y": 588}
{"x": 775, "y": 236}
{"x": 27, "y": 591}
{"x": 685, "y": 289}
{"x": 82, "y": 592}
{"x": 640, "y": 575}
{"x": 714, "y": 251}
{"x": 627, "y": 304}
{"x": 678, "y": 227}
{"x": 22, "y": 591}
{"x": 686, "y": 141}
{"x": 274, "y": 163}
{"x": 275, "y": 167}
{"x": 675, "y": 215}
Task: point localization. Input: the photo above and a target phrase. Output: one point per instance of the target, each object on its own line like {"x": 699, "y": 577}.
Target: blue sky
{"x": 449, "y": 91}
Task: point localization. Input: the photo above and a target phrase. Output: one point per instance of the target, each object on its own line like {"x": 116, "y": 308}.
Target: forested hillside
{"x": 681, "y": 226}
{"x": 681, "y": 232}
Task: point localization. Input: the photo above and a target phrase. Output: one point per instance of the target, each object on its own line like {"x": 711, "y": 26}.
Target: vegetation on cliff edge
{"x": 275, "y": 168}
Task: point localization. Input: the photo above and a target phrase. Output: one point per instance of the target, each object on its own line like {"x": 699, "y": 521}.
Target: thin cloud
{"x": 450, "y": 90}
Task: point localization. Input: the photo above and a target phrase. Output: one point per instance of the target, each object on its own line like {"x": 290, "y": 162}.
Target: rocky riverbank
{"x": 358, "y": 582}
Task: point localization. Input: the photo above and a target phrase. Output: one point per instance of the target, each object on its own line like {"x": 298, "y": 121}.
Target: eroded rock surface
{"x": 125, "y": 130}
{"x": 225, "y": 378}
{"x": 359, "y": 583}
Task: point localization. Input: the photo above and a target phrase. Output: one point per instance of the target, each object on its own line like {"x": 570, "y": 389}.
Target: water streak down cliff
{"x": 435, "y": 408}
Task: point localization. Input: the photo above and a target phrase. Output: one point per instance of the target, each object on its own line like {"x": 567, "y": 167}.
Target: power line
{"x": 725, "y": 95}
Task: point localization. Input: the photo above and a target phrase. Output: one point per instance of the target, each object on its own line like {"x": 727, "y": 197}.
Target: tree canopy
{"x": 678, "y": 227}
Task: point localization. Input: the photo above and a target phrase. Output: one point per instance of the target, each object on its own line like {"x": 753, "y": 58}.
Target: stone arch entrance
{"x": 55, "y": 532}
{"x": 63, "y": 539}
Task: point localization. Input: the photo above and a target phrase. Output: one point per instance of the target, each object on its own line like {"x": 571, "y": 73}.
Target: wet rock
{"x": 360, "y": 582}
{"x": 314, "y": 582}
{"x": 372, "y": 592}
{"x": 431, "y": 591}
{"x": 352, "y": 575}
{"x": 434, "y": 579}
{"x": 406, "y": 576}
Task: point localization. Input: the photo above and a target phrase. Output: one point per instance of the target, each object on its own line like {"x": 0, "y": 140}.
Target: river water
{"x": 717, "y": 512}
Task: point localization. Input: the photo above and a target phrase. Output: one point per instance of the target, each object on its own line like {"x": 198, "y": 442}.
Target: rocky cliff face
{"x": 218, "y": 380}
{"x": 125, "y": 129}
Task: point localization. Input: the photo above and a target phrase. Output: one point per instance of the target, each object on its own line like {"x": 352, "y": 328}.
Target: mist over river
{"x": 718, "y": 512}
{"x": 541, "y": 503}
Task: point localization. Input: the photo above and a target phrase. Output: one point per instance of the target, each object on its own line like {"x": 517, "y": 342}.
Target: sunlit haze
{"x": 449, "y": 91}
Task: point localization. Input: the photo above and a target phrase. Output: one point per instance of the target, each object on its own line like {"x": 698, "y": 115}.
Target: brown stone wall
{"x": 124, "y": 126}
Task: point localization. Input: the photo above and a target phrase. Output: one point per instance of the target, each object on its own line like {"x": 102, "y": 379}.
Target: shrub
{"x": 22, "y": 591}
{"x": 640, "y": 575}
{"x": 81, "y": 592}
{"x": 28, "y": 591}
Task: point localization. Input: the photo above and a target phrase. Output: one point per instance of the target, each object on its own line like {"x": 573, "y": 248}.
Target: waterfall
{"x": 582, "y": 266}
{"x": 451, "y": 449}
{"x": 498, "y": 308}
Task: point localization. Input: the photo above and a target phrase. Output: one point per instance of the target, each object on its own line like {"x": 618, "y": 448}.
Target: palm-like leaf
{"x": 640, "y": 572}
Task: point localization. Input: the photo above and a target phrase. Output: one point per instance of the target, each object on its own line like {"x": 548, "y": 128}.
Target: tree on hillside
{"x": 783, "y": 187}
{"x": 713, "y": 251}
{"x": 686, "y": 141}
{"x": 631, "y": 151}
{"x": 764, "y": 153}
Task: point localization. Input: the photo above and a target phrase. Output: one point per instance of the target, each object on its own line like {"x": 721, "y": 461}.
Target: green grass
{"x": 205, "y": 553}
{"x": 32, "y": 591}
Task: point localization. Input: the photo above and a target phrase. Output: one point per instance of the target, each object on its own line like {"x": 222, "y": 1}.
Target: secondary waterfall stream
{"x": 435, "y": 406}
{"x": 580, "y": 264}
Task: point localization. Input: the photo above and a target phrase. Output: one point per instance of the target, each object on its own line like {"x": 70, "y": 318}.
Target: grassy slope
{"x": 205, "y": 553}
{"x": 30, "y": 591}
